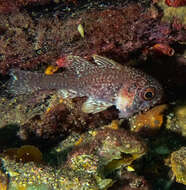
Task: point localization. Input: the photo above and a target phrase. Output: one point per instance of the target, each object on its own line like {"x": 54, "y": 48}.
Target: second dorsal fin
{"x": 105, "y": 62}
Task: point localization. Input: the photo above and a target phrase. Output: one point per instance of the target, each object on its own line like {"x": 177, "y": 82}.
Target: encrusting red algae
{"x": 104, "y": 82}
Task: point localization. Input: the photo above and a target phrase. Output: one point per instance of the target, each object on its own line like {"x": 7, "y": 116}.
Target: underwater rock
{"x": 130, "y": 181}
{"x": 32, "y": 40}
{"x": 114, "y": 31}
{"x": 172, "y": 12}
{"x": 106, "y": 147}
{"x": 62, "y": 116}
{"x": 90, "y": 158}
{"x": 178, "y": 165}
{"x": 36, "y": 176}
{"x": 48, "y": 116}
{"x": 19, "y": 110}
{"x": 27, "y": 174}
{"x": 176, "y": 119}
{"x": 7, "y": 6}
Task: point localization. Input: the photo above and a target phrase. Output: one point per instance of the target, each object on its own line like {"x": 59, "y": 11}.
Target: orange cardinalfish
{"x": 104, "y": 83}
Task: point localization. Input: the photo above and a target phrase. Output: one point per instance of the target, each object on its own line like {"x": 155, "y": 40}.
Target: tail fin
{"x": 21, "y": 82}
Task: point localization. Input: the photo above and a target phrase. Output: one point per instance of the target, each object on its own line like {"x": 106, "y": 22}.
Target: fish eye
{"x": 149, "y": 93}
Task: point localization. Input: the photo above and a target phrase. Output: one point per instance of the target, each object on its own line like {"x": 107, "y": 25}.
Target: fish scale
{"x": 102, "y": 84}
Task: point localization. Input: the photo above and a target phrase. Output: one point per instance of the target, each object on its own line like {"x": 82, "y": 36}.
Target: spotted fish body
{"x": 104, "y": 83}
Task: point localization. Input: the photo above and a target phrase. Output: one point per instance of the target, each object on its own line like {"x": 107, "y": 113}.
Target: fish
{"x": 104, "y": 82}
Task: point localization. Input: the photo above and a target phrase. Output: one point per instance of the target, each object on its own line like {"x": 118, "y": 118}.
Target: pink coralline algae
{"x": 116, "y": 33}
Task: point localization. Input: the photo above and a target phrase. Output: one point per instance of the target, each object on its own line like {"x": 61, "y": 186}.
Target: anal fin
{"x": 94, "y": 106}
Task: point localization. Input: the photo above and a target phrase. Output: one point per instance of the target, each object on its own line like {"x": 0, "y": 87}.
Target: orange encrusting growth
{"x": 50, "y": 70}
{"x": 152, "y": 119}
{"x": 3, "y": 186}
{"x": 3, "y": 181}
{"x": 164, "y": 49}
{"x": 114, "y": 125}
{"x": 26, "y": 153}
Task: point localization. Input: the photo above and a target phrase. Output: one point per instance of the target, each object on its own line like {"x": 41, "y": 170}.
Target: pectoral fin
{"x": 105, "y": 62}
{"x": 94, "y": 106}
{"x": 68, "y": 93}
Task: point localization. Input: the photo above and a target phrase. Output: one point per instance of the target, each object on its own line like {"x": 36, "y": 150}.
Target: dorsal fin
{"x": 105, "y": 62}
{"x": 78, "y": 65}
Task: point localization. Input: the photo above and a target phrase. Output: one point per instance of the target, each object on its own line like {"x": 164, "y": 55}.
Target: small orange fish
{"x": 104, "y": 83}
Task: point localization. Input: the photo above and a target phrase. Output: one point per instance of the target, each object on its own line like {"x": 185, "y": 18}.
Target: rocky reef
{"x": 48, "y": 142}
{"x": 91, "y": 158}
